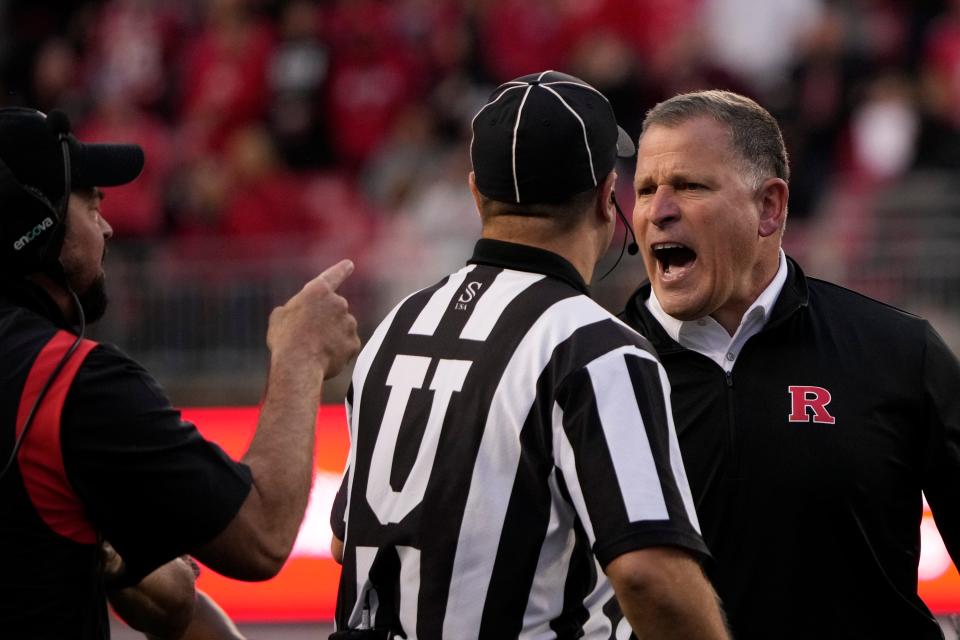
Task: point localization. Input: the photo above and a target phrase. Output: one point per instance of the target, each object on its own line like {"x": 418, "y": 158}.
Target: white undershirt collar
{"x": 707, "y": 336}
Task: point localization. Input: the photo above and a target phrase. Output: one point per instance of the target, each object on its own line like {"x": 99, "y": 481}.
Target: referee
{"x": 513, "y": 461}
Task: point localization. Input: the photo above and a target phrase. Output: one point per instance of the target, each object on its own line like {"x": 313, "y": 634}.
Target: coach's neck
{"x": 581, "y": 241}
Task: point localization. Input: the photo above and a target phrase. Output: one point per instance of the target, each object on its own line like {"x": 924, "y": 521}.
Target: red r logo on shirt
{"x": 815, "y": 399}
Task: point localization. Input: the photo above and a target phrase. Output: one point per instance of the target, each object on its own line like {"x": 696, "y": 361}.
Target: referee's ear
{"x": 472, "y": 180}
{"x": 605, "y": 207}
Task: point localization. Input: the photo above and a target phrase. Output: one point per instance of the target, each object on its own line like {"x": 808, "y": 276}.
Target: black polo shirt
{"x": 147, "y": 481}
{"x": 808, "y": 460}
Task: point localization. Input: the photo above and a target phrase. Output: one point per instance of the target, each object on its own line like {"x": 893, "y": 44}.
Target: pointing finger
{"x": 335, "y": 275}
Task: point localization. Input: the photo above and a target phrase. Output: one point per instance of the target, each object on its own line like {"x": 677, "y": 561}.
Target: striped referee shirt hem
{"x": 667, "y": 536}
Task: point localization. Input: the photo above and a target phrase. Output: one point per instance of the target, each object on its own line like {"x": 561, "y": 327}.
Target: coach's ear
{"x": 773, "y": 195}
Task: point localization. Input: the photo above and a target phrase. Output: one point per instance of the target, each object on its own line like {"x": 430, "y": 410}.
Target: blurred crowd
{"x": 346, "y": 120}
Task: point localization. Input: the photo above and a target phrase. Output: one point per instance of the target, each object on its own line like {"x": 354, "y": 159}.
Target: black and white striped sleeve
{"x": 615, "y": 445}
{"x": 338, "y": 512}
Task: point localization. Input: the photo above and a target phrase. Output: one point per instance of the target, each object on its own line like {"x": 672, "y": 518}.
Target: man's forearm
{"x": 162, "y": 604}
{"x": 258, "y": 540}
{"x": 310, "y": 338}
{"x": 281, "y": 454}
{"x": 210, "y": 622}
{"x": 688, "y": 612}
{"x": 664, "y": 595}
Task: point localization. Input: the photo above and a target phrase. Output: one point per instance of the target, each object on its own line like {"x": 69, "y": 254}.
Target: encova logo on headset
{"x": 26, "y": 238}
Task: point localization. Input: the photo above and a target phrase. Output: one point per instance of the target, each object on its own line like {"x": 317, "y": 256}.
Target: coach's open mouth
{"x": 673, "y": 257}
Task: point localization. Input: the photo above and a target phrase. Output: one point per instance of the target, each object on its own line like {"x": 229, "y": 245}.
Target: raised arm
{"x": 310, "y": 338}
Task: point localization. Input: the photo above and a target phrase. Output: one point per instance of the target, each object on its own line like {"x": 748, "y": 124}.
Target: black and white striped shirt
{"x": 509, "y": 438}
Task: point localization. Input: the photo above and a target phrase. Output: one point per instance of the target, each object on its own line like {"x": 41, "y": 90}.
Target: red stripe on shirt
{"x": 40, "y": 456}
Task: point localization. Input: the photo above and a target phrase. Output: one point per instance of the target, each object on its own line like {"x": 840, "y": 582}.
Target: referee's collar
{"x": 522, "y": 257}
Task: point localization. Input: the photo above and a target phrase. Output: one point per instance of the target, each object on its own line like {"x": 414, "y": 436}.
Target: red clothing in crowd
{"x": 225, "y": 81}
{"x": 942, "y": 58}
{"x": 374, "y": 74}
{"x": 518, "y": 37}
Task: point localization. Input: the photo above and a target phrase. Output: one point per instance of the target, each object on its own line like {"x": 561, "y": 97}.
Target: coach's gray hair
{"x": 754, "y": 134}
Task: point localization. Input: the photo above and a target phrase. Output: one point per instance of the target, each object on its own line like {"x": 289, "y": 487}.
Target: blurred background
{"x": 282, "y": 136}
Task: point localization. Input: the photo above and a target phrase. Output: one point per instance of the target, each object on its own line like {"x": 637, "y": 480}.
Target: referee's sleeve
{"x": 338, "y": 512}
{"x": 617, "y": 452}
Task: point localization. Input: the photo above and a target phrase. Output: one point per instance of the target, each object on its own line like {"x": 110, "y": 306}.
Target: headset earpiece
{"x": 59, "y": 123}
{"x": 31, "y": 226}
{"x": 633, "y": 248}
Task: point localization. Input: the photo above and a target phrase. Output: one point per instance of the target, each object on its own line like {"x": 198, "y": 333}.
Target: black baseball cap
{"x": 543, "y": 138}
{"x": 35, "y": 150}
{"x": 30, "y": 148}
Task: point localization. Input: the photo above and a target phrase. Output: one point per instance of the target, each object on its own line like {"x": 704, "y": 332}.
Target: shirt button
{"x": 702, "y": 322}
{"x": 731, "y": 356}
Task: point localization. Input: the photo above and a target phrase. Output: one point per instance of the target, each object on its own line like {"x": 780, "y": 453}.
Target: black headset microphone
{"x": 60, "y": 126}
{"x": 633, "y": 248}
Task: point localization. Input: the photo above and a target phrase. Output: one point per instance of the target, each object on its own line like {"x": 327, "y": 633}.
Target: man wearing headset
{"x": 90, "y": 448}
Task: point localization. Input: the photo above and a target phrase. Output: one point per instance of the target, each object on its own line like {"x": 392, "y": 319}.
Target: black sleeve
{"x": 941, "y": 482}
{"x": 149, "y": 481}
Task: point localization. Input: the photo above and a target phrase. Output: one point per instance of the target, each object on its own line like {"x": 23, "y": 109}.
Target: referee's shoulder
{"x": 616, "y": 324}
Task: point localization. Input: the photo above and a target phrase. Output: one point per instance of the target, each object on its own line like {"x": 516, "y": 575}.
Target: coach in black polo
{"x": 810, "y": 417}
{"x": 512, "y": 442}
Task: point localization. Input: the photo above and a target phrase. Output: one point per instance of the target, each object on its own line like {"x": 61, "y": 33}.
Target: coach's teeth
{"x": 673, "y": 253}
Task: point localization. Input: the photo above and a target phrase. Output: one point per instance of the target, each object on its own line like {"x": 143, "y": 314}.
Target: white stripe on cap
{"x": 515, "y": 85}
{"x": 513, "y": 151}
{"x": 574, "y": 84}
{"x": 583, "y": 128}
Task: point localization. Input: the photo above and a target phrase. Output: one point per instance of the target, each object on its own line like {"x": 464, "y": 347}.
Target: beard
{"x": 93, "y": 300}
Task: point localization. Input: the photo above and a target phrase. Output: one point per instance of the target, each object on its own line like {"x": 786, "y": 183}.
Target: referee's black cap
{"x": 543, "y": 138}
